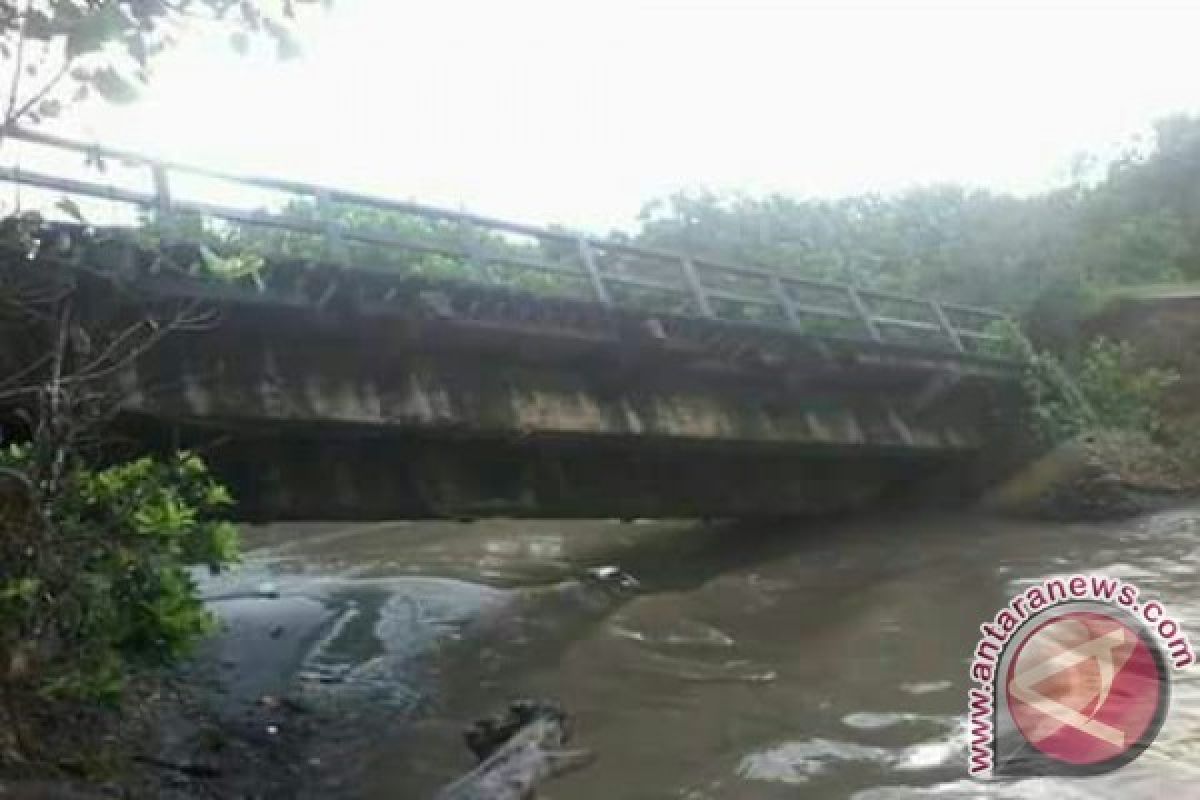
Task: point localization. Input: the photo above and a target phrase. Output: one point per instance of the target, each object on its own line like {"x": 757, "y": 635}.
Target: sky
{"x": 579, "y": 111}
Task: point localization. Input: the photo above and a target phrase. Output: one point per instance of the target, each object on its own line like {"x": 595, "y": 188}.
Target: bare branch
{"x": 18, "y": 68}
{"x": 27, "y": 370}
{"x": 40, "y": 94}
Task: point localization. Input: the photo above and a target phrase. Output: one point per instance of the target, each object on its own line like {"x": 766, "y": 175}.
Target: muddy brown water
{"x": 821, "y": 659}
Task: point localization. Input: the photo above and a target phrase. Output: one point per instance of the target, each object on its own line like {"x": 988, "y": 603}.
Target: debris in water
{"x": 926, "y": 687}
{"x": 517, "y": 749}
{"x": 614, "y": 575}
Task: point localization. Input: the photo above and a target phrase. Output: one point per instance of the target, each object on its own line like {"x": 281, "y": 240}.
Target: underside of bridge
{"x": 280, "y": 476}
{"x": 481, "y": 402}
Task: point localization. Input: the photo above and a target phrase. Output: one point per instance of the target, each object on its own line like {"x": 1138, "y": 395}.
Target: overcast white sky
{"x": 578, "y": 111}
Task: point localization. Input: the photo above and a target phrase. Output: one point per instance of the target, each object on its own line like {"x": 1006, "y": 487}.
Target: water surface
{"x": 822, "y": 659}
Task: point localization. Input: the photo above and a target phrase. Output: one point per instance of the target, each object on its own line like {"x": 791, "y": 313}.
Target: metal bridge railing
{"x": 613, "y": 273}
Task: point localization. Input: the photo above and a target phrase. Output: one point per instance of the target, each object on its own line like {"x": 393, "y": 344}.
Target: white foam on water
{"x": 927, "y": 687}
{"x": 878, "y": 720}
{"x": 797, "y": 762}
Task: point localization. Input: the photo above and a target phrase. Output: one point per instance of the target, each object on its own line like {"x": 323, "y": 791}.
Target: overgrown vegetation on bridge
{"x": 1050, "y": 258}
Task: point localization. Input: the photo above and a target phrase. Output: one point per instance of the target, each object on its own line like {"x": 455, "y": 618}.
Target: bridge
{"x": 372, "y": 358}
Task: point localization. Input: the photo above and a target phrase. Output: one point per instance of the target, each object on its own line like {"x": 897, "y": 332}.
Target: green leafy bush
{"x": 234, "y": 251}
{"x": 94, "y": 578}
{"x": 1123, "y": 394}
{"x": 1104, "y": 388}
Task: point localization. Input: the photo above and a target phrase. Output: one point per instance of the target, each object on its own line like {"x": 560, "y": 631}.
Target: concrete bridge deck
{"x": 636, "y": 383}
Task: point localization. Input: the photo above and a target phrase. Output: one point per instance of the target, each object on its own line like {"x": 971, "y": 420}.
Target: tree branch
{"x": 41, "y": 93}
{"x": 15, "y": 86}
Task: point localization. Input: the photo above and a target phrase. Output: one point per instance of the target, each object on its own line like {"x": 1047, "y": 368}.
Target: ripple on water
{"x": 1033, "y": 789}
{"x": 878, "y": 720}
{"x": 1120, "y": 785}
{"x": 798, "y": 762}
{"x": 681, "y": 632}
{"x": 699, "y": 670}
{"x": 926, "y": 687}
{"x": 932, "y": 754}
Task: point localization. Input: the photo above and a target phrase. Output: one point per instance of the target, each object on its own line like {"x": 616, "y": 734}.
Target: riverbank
{"x": 175, "y": 737}
{"x": 1097, "y": 476}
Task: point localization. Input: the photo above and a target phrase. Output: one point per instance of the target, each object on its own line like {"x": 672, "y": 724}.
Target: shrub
{"x": 1105, "y": 388}
{"x": 1123, "y": 394}
{"x": 94, "y": 578}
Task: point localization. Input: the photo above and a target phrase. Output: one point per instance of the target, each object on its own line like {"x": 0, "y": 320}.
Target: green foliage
{"x": 1103, "y": 389}
{"x": 291, "y": 245}
{"x": 94, "y": 577}
{"x": 233, "y": 267}
{"x": 1122, "y": 395}
{"x": 19, "y": 231}
{"x": 235, "y": 251}
{"x": 1051, "y": 257}
{"x": 64, "y": 51}
{"x": 156, "y": 233}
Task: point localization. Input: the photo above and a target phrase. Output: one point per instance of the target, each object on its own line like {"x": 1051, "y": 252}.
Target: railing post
{"x": 479, "y": 260}
{"x": 163, "y": 215}
{"x": 588, "y": 257}
{"x": 780, "y": 292}
{"x": 693, "y": 282}
{"x": 335, "y": 246}
{"x": 476, "y": 255}
{"x": 162, "y": 192}
{"x": 864, "y": 313}
{"x": 944, "y": 322}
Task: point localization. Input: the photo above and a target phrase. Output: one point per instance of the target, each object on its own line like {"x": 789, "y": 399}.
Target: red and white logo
{"x": 1072, "y": 677}
{"x": 1084, "y": 687}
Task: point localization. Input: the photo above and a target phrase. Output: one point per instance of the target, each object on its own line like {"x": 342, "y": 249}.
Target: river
{"x": 816, "y": 659}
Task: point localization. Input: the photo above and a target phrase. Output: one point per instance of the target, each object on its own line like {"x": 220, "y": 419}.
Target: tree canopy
{"x": 59, "y": 52}
{"x": 1047, "y": 255}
